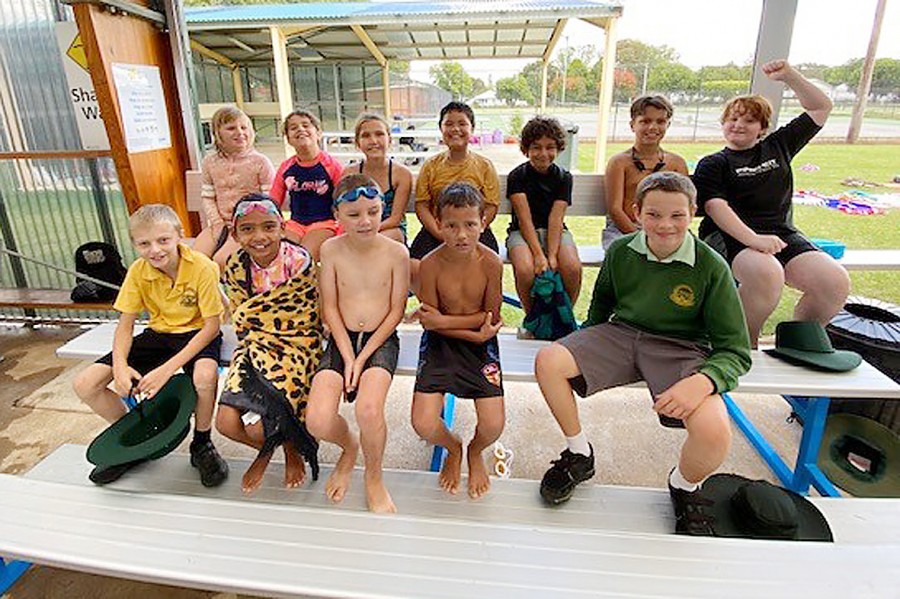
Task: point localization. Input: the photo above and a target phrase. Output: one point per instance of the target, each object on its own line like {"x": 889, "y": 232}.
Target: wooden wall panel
{"x": 155, "y": 176}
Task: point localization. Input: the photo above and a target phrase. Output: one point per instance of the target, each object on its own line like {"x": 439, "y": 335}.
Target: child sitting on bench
{"x": 461, "y": 292}
{"x": 271, "y": 285}
{"x": 664, "y": 310}
{"x": 364, "y": 283}
{"x": 179, "y": 288}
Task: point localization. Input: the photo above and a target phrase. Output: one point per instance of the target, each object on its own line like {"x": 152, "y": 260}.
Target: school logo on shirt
{"x": 491, "y": 372}
{"x": 189, "y": 298}
{"x": 682, "y": 295}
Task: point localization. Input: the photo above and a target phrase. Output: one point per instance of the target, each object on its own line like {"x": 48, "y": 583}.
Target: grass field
{"x": 836, "y": 162}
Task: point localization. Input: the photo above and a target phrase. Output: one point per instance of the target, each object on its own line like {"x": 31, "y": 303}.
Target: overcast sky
{"x": 708, "y": 32}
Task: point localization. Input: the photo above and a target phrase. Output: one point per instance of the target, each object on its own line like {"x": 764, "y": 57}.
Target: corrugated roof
{"x": 384, "y": 12}
{"x": 400, "y": 30}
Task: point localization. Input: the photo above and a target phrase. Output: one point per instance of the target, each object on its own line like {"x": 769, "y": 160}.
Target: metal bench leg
{"x": 10, "y": 573}
{"x": 806, "y": 470}
{"x": 814, "y": 410}
{"x": 437, "y": 457}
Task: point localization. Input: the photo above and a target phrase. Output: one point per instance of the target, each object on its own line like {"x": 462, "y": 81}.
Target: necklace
{"x": 639, "y": 164}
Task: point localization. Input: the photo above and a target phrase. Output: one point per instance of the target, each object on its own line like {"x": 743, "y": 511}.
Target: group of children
{"x": 664, "y": 309}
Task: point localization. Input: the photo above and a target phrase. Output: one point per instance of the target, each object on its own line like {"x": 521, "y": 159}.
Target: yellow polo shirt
{"x": 438, "y": 172}
{"x": 173, "y": 308}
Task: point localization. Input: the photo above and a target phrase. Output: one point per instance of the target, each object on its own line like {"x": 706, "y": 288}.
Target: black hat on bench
{"x": 151, "y": 430}
{"x": 757, "y": 509}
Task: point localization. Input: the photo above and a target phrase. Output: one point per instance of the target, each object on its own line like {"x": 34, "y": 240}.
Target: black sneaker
{"x": 213, "y": 469}
{"x": 103, "y": 475}
{"x": 560, "y": 480}
{"x": 691, "y": 514}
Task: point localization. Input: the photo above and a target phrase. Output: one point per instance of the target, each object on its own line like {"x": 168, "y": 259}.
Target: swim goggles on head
{"x": 351, "y": 195}
{"x": 263, "y": 206}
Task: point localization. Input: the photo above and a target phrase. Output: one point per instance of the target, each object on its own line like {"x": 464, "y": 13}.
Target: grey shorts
{"x": 515, "y": 239}
{"x": 610, "y": 233}
{"x": 613, "y": 354}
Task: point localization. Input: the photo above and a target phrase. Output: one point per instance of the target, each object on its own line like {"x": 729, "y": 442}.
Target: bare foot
{"x": 377, "y": 496}
{"x": 479, "y": 481}
{"x": 253, "y": 476}
{"x": 339, "y": 481}
{"x": 294, "y": 468}
{"x": 449, "y": 477}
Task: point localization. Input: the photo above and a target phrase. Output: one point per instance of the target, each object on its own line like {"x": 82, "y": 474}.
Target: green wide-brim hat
{"x": 847, "y": 436}
{"x": 757, "y": 509}
{"x": 806, "y": 343}
{"x": 151, "y": 430}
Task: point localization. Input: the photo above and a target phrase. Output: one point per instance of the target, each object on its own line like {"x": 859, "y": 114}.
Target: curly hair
{"x": 542, "y": 126}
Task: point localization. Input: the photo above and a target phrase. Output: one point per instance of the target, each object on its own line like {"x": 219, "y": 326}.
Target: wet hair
{"x": 226, "y": 115}
{"x": 667, "y": 181}
{"x": 153, "y": 214}
{"x": 755, "y": 105}
{"x": 352, "y": 181}
{"x": 542, "y": 126}
{"x": 301, "y": 112}
{"x": 365, "y": 118}
{"x": 457, "y": 107}
{"x": 460, "y": 195}
{"x": 659, "y": 102}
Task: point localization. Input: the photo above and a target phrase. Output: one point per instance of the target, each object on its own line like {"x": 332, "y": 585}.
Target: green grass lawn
{"x": 835, "y": 161}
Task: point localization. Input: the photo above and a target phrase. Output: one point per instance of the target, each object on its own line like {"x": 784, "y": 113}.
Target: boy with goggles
{"x": 363, "y": 286}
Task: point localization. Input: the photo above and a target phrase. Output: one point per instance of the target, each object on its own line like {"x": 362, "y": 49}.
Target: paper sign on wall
{"x": 81, "y": 88}
{"x": 143, "y": 107}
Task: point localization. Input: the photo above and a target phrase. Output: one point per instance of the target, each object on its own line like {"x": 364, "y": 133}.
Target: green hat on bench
{"x": 861, "y": 456}
{"x": 757, "y": 509}
{"x": 150, "y": 431}
{"x": 807, "y": 344}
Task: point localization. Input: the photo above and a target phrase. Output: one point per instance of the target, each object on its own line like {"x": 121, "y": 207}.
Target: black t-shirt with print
{"x": 757, "y": 183}
{"x": 541, "y": 190}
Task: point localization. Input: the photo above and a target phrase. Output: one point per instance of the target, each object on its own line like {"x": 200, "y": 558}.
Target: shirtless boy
{"x": 650, "y": 119}
{"x": 460, "y": 290}
{"x": 363, "y": 289}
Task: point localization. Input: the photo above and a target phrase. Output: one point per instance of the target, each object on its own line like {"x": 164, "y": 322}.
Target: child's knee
{"x": 369, "y": 415}
{"x": 710, "y": 423}
{"x": 551, "y": 361}
{"x": 227, "y": 420}
{"x": 425, "y": 423}
{"x": 205, "y": 377}
{"x": 490, "y": 426}
{"x": 89, "y": 383}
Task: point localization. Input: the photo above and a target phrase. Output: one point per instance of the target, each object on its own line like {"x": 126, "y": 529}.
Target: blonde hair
{"x": 226, "y": 115}
{"x": 756, "y": 106}
{"x": 365, "y": 118}
{"x": 152, "y": 214}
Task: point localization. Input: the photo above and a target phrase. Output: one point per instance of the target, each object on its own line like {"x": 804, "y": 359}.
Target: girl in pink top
{"x": 234, "y": 170}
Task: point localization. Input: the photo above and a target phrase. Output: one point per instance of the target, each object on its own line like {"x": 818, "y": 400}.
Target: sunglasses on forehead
{"x": 351, "y": 195}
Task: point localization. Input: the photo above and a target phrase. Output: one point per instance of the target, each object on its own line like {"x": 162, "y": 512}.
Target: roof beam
{"x": 219, "y": 58}
{"x": 241, "y": 44}
{"x": 442, "y": 44}
{"x": 554, "y": 38}
{"x": 368, "y": 43}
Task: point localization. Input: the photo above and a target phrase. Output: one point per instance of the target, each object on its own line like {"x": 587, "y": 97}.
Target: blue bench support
{"x": 10, "y": 573}
{"x": 437, "y": 458}
{"x": 813, "y": 411}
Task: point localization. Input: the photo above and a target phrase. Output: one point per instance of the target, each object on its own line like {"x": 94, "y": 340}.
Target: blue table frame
{"x": 10, "y": 573}
{"x": 437, "y": 457}
{"x": 806, "y": 472}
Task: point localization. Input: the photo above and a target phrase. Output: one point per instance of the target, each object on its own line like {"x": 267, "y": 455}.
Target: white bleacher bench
{"x": 808, "y": 391}
{"x": 159, "y": 524}
{"x": 589, "y": 199}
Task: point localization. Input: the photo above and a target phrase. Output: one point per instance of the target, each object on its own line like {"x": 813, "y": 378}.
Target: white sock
{"x": 579, "y": 444}
{"x": 677, "y": 480}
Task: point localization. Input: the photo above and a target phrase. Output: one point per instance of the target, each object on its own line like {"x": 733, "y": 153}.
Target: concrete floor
{"x": 39, "y": 411}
